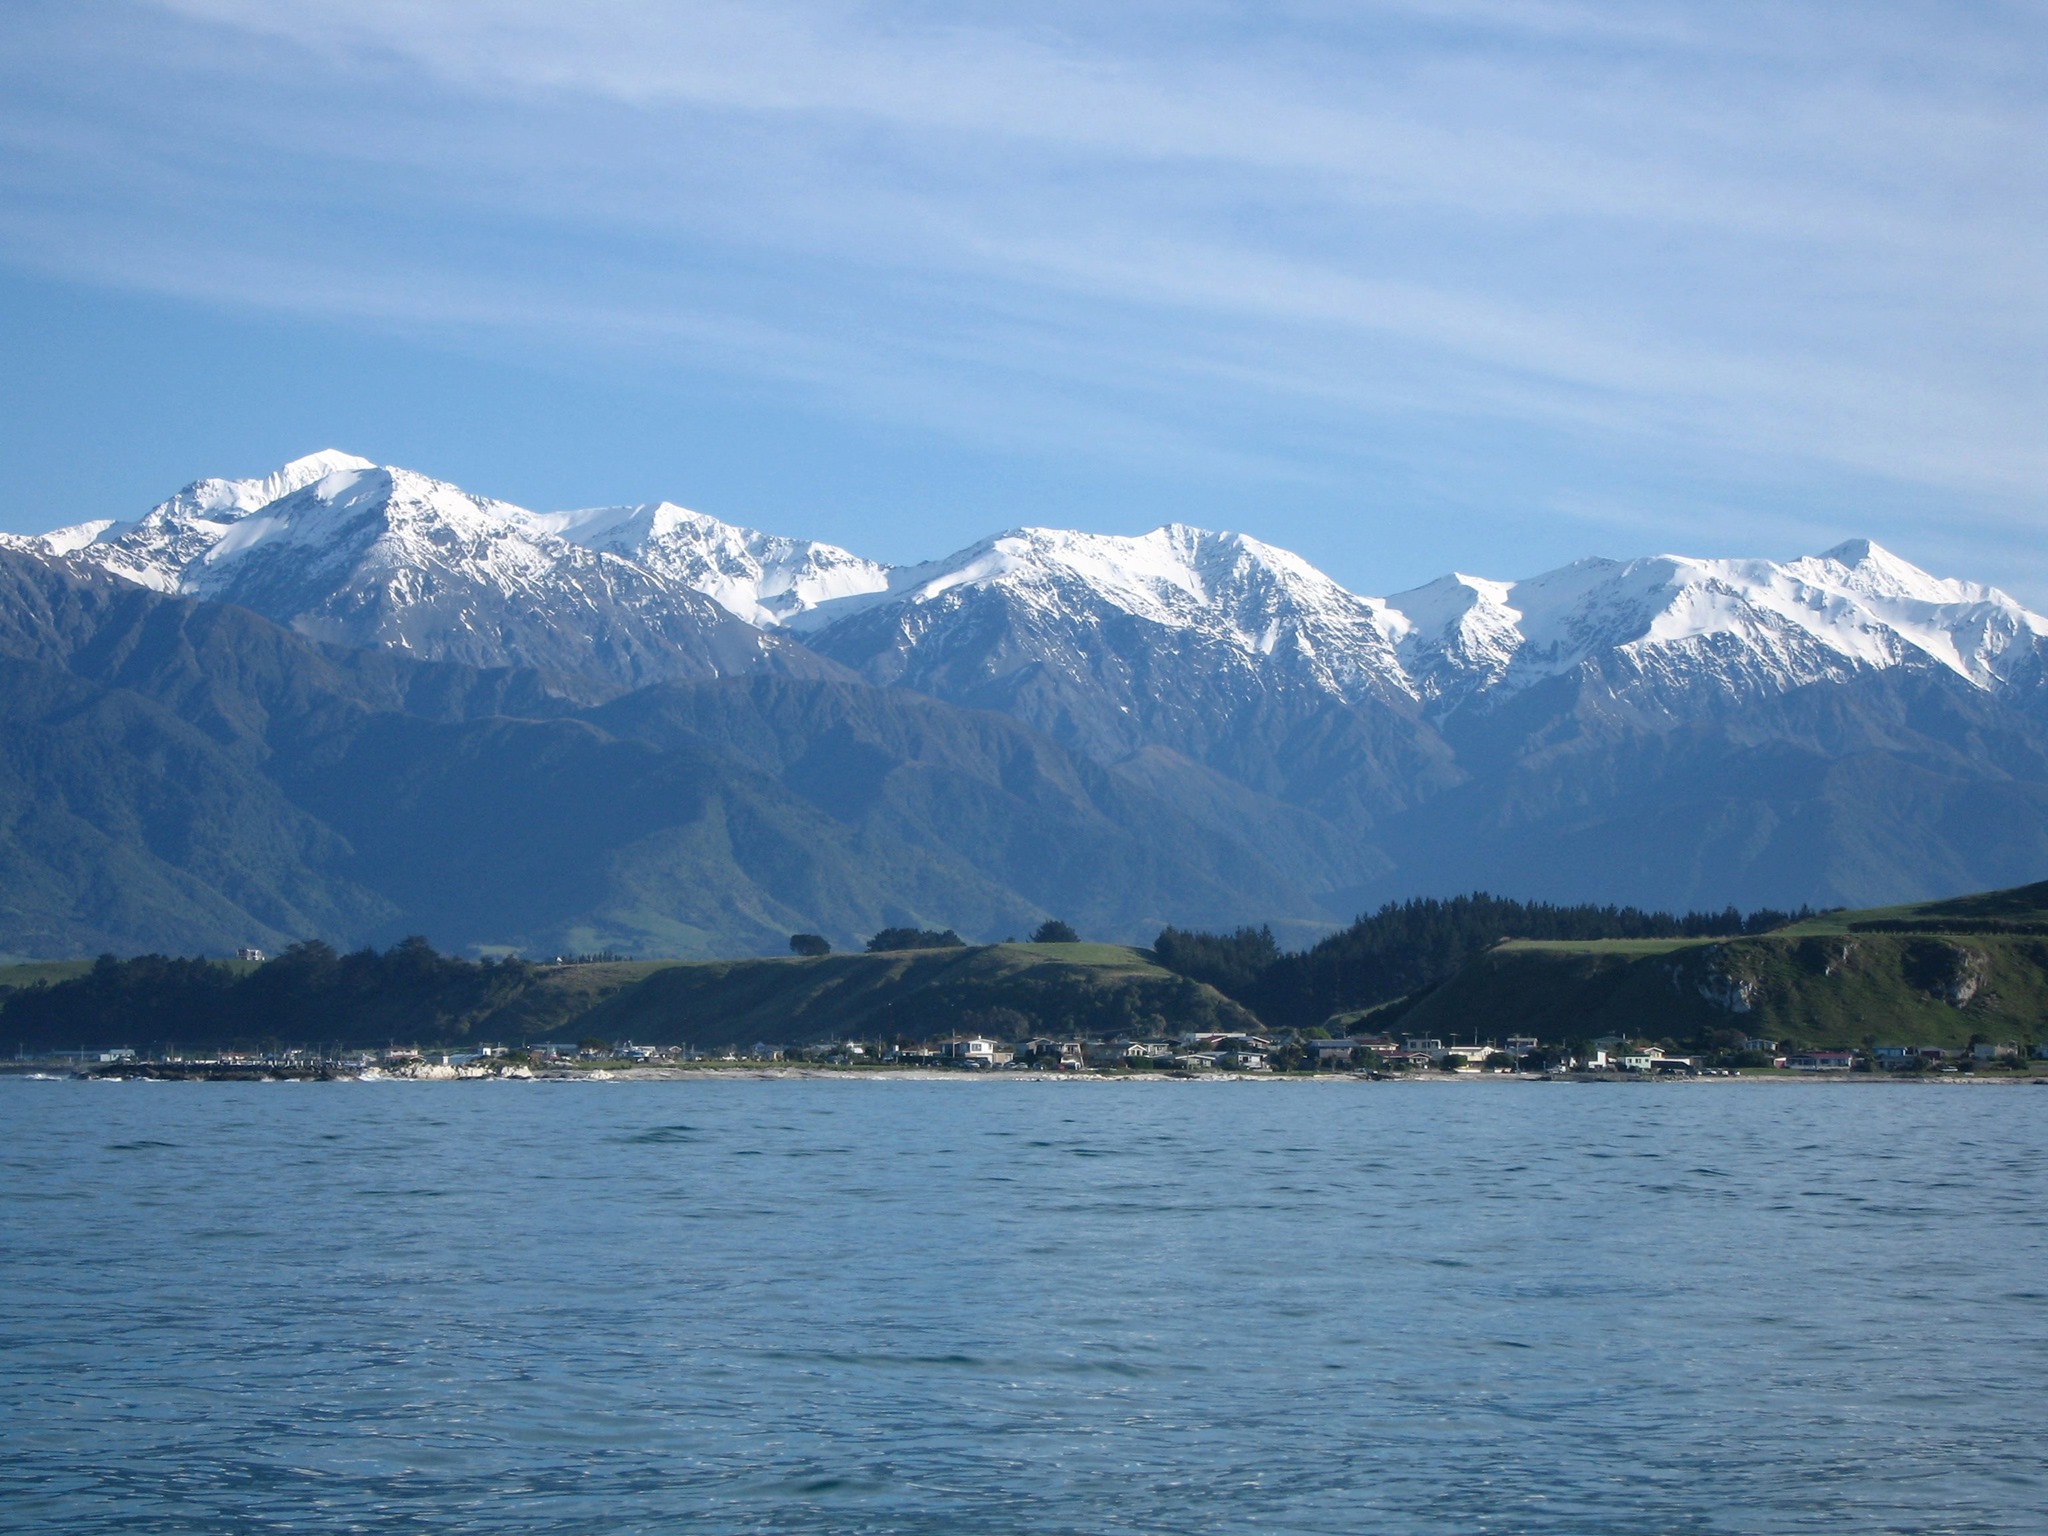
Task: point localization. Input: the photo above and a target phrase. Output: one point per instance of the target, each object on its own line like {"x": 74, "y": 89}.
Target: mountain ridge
{"x": 1445, "y": 643}
{"x": 1842, "y": 729}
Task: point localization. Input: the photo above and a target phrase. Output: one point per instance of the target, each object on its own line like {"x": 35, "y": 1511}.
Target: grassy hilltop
{"x": 1937, "y": 973}
{"x": 1007, "y": 989}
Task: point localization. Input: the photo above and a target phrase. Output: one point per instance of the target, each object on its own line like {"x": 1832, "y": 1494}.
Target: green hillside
{"x": 1005, "y": 989}
{"x": 2022, "y": 910}
{"x": 1937, "y": 973}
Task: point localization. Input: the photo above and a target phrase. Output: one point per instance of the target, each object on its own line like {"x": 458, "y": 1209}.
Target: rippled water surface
{"x": 964, "y": 1307}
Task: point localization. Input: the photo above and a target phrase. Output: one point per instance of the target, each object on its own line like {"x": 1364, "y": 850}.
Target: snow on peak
{"x": 1857, "y": 605}
{"x": 67, "y": 541}
{"x": 764, "y": 578}
{"x": 1266, "y": 606}
{"x": 1172, "y": 575}
{"x": 226, "y": 500}
{"x": 1743, "y": 625}
{"x": 1735, "y": 626}
{"x": 158, "y": 548}
{"x": 355, "y": 508}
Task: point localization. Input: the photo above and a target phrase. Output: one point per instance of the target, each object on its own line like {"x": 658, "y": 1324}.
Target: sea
{"x": 1022, "y": 1306}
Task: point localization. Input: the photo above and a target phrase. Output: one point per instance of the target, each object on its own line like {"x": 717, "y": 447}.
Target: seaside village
{"x": 1188, "y": 1055}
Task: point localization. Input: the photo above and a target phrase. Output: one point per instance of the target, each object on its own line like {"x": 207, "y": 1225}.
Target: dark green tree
{"x": 914, "y": 938}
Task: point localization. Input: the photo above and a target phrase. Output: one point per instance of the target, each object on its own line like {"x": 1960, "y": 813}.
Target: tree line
{"x": 812, "y": 946}
{"x": 308, "y": 994}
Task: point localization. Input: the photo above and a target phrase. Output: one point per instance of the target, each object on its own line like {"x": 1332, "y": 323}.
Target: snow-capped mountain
{"x": 157, "y": 549}
{"x": 1252, "y": 608}
{"x": 1215, "y": 650}
{"x": 1181, "y": 639}
{"x": 764, "y": 578}
{"x": 350, "y": 553}
{"x": 1730, "y": 628}
{"x": 1736, "y": 628}
{"x": 1842, "y": 727}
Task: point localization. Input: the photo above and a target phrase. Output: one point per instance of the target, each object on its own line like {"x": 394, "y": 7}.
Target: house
{"x": 1821, "y": 1061}
{"x": 1677, "y": 1064}
{"x": 1324, "y": 1054}
{"x": 1641, "y": 1059}
{"x": 1212, "y": 1041}
{"x": 1897, "y": 1058}
{"x": 1520, "y": 1045}
{"x": 1418, "y": 1046}
{"x": 968, "y": 1051}
{"x": 1985, "y": 1050}
{"x": 246, "y": 952}
{"x": 1762, "y": 1046}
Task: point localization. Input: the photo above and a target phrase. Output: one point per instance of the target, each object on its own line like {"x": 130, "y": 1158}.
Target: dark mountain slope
{"x": 1882, "y": 788}
{"x": 189, "y": 776}
{"x": 1112, "y": 684}
{"x": 123, "y": 827}
{"x": 915, "y": 774}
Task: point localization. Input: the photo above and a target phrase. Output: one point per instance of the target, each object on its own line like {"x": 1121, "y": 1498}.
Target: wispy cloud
{"x": 1791, "y": 240}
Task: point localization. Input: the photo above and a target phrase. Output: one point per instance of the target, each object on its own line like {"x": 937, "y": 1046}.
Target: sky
{"x": 1404, "y": 285}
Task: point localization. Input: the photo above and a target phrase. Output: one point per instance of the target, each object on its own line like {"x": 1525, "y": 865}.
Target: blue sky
{"x": 1406, "y": 286}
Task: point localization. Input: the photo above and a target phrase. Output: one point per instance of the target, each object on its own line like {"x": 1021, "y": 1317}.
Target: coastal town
{"x": 1190, "y": 1055}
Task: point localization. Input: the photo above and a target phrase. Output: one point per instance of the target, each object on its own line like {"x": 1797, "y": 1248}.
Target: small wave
{"x": 662, "y": 1136}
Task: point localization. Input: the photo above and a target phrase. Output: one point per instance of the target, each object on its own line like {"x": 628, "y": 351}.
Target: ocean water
{"x": 1000, "y": 1306}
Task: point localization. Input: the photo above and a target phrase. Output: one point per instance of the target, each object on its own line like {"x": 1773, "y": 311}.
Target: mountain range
{"x": 350, "y": 701}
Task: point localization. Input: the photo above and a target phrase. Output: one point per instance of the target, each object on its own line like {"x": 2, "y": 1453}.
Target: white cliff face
{"x": 764, "y": 578}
